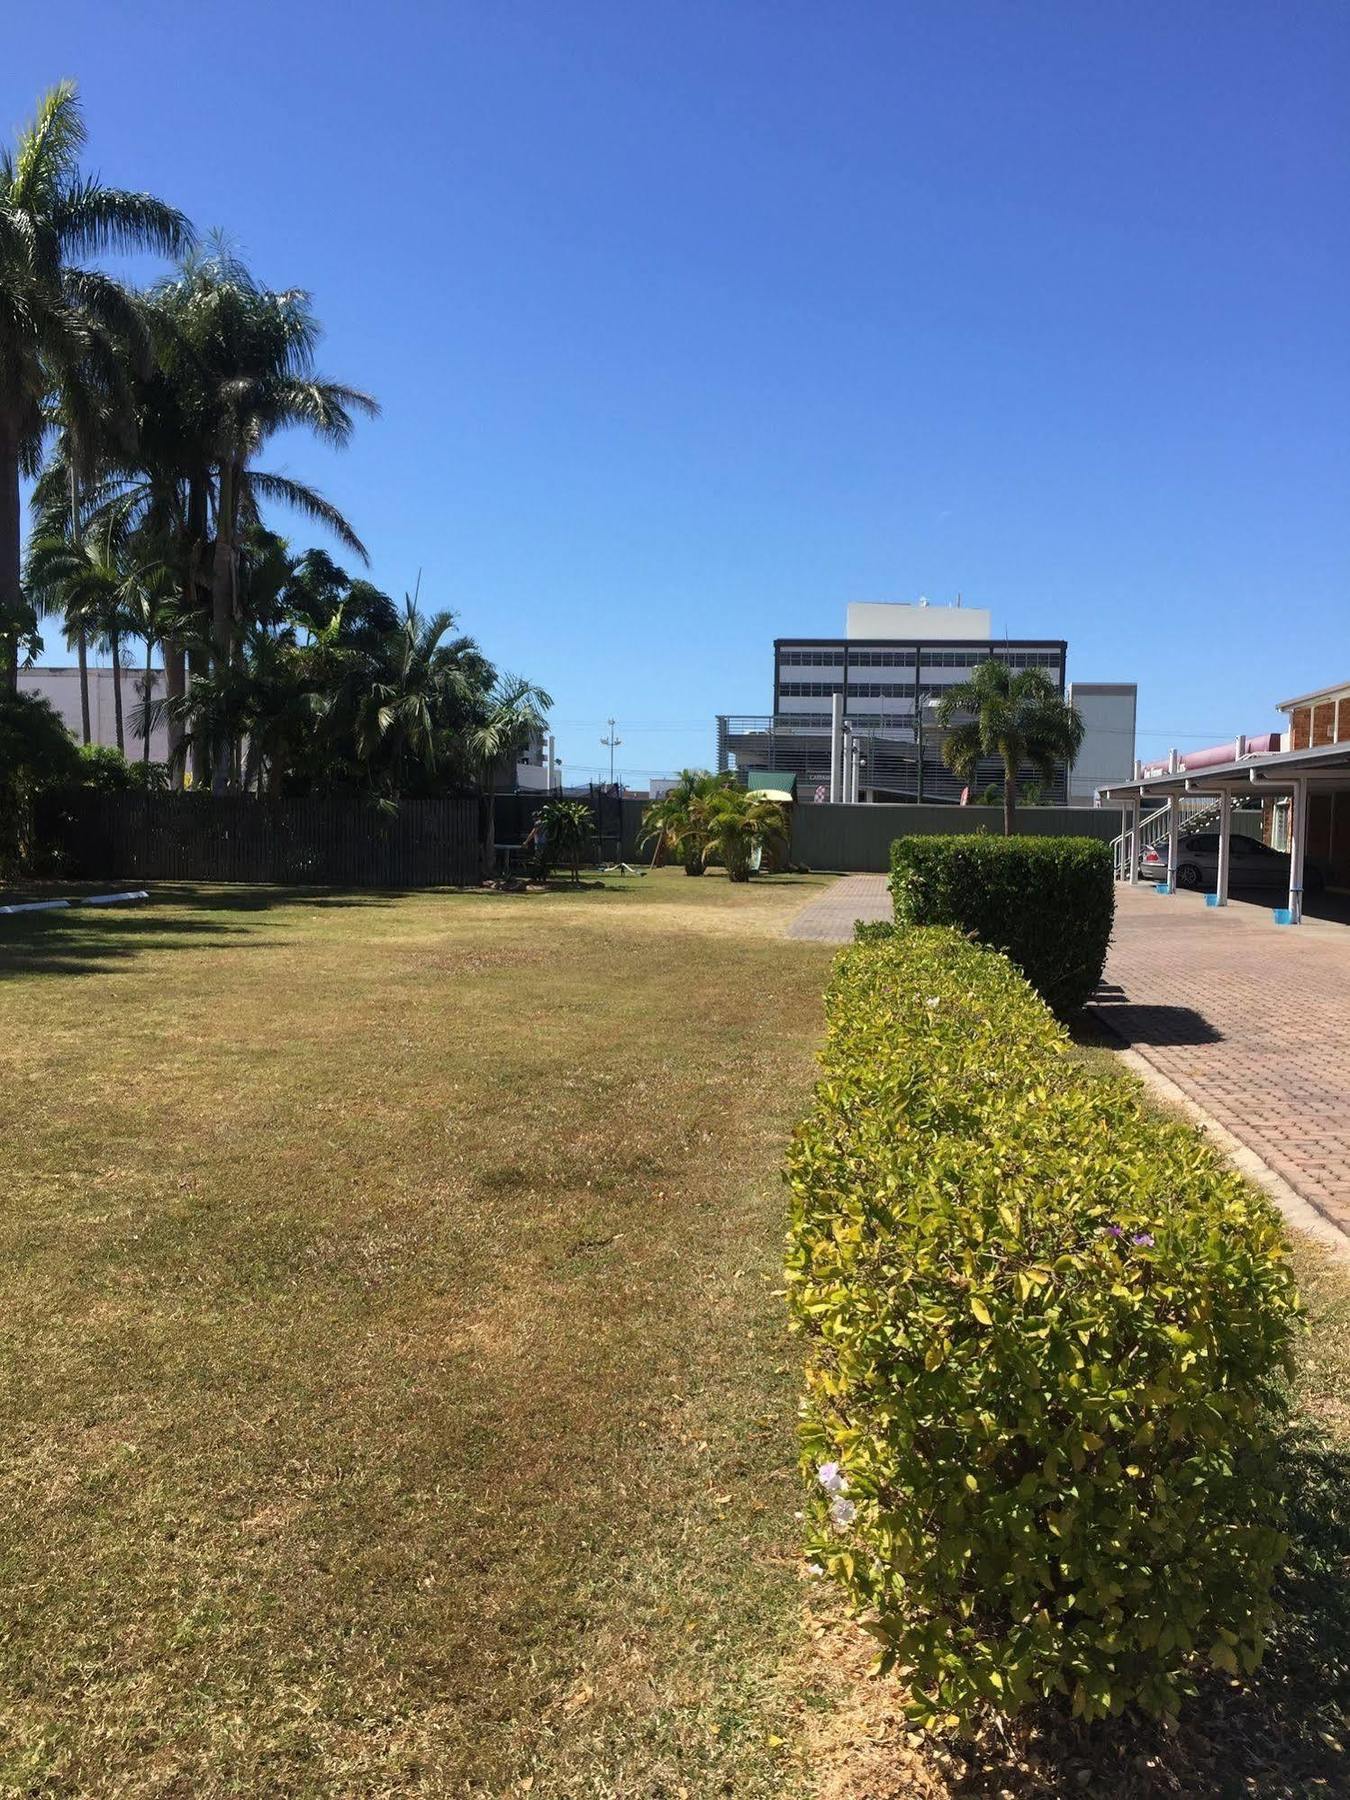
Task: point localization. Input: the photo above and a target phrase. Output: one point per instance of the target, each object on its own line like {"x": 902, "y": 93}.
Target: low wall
{"x": 859, "y": 838}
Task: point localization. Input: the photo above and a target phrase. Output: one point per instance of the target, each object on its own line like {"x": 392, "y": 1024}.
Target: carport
{"x": 1300, "y": 775}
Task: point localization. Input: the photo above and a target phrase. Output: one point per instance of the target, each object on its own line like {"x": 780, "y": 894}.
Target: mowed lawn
{"x": 396, "y": 1398}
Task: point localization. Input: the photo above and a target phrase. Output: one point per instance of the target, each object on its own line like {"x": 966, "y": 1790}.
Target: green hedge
{"x": 1048, "y": 1334}
{"x": 1048, "y": 902}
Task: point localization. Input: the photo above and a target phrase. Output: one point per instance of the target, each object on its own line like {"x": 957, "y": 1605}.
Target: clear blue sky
{"x": 693, "y": 321}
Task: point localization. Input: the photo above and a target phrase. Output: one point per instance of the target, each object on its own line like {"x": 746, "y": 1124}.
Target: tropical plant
{"x": 563, "y": 831}
{"x": 734, "y": 823}
{"x": 104, "y": 592}
{"x": 1018, "y": 716}
{"x": 674, "y": 823}
{"x": 61, "y": 323}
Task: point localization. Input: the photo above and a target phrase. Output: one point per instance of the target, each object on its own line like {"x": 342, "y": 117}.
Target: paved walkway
{"x": 1250, "y": 1020}
{"x": 831, "y": 918}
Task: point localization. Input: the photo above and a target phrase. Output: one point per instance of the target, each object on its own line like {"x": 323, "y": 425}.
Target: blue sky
{"x": 692, "y": 322}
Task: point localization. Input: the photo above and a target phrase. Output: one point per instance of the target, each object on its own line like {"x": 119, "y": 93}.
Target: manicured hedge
{"x": 1048, "y": 1330}
{"x": 1049, "y": 902}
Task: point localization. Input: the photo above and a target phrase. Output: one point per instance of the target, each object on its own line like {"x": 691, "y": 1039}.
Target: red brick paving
{"x": 1251, "y": 1020}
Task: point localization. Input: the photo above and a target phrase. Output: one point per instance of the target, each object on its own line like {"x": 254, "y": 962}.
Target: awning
{"x": 773, "y": 784}
{"x": 1329, "y": 765}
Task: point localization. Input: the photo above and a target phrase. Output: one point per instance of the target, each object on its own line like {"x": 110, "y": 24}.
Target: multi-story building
{"x": 887, "y": 673}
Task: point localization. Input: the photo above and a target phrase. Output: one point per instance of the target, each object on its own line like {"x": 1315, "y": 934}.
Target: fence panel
{"x": 858, "y": 837}
{"x": 328, "y": 841}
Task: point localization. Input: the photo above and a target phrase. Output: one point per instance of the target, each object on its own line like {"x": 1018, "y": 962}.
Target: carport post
{"x": 1135, "y": 847}
{"x": 1225, "y": 832}
{"x": 1173, "y": 832}
{"x": 1298, "y": 831}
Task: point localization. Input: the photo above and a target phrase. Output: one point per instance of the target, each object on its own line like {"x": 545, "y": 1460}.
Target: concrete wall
{"x": 900, "y": 619}
{"x": 858, "y": 838}
{"x": 61, "y": 686}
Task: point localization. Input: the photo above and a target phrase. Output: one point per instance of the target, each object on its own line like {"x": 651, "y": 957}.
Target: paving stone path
{"x": 1250, "y": 1020}
{"x": 831, "y": 918}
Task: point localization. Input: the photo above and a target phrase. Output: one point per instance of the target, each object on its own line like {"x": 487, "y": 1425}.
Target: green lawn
{"x": 395, "y": 1394}
{"x": 396, "y": 1399}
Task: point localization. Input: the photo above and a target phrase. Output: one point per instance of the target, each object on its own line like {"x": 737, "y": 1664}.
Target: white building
{"x": 1108, "y": 712}
{"x": 61, "y": 686}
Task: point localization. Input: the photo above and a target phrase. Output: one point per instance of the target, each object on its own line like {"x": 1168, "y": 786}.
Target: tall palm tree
{"x": 1020, "y": 717}
{"x": 57, "y": 316}
{"x": 245, "y": 357}
{"x": 100, "y": 587}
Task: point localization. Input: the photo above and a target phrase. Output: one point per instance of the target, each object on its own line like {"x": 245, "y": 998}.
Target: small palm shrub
{"x": 674, "y": 823}
{"x": 1048, "y": 901}
{"x": 735, "y": 823}
{"x": 564, "y": 832}
{"x": 1047, "y": 1333}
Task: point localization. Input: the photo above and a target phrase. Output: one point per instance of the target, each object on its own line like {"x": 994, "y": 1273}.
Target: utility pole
{"x": 611, "y": 743}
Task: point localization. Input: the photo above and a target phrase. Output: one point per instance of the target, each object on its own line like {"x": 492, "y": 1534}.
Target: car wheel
{"x": 1188, "y": 876}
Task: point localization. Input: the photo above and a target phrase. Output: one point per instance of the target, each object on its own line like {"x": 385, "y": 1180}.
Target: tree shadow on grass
{"x": 88, "y": 941}
{"x": 83, "y": 940}
{"x": 1284, "y": 1736}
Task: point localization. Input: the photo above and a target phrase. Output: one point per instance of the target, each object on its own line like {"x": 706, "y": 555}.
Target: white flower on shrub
{"x": 934, "y": 1000}
{"x": 832, "y": 1478}
{"x": 843, "y": 1512}
{"x": 815, "y": 1568}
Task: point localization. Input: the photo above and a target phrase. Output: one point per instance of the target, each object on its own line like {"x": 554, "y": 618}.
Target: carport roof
{"x": 1329, "y": 763}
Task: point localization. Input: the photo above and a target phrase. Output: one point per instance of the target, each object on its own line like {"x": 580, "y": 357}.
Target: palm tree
{"x": 563, "y": 829}
{"x": 734, "y": 824}
{"x": 100, "y": 587}
{"x": 1019, "y": 717}
{"x": 57, "y": 317}
{"x": 674, "y": 823}
{"x": 245, "y": 356}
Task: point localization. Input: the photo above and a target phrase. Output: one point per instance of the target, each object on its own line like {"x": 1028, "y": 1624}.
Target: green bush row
{"x": 1048, "y": 1331}
{"x": 1048, "y": 902}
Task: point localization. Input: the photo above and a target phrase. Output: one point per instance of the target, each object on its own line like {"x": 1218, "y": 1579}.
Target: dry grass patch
{"x": 396, "y": 1399}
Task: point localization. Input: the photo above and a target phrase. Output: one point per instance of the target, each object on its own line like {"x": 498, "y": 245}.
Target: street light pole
{"x": 612, "y": 743}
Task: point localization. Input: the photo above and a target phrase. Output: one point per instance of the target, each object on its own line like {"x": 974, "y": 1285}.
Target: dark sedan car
{"x": 1251, "y": 864}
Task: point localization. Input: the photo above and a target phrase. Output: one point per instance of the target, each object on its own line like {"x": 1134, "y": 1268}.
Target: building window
{"x": 811, "y": 659}
{"x": 809, "y": 690}
{"x": 881, "y": 659}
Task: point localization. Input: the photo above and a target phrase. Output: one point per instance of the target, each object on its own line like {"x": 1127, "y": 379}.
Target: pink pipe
{"x": 1263, "y": 744}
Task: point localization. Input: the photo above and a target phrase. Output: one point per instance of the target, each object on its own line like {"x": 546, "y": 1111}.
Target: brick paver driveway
{"x": 831, "y": 918}
{"x": 1251, "y": 1020}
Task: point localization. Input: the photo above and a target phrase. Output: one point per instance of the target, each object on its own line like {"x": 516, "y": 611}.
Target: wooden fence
{"x": 334, "y": 841}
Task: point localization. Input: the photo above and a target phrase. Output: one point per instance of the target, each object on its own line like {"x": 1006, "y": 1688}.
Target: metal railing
{"x": 1196, "y": 813}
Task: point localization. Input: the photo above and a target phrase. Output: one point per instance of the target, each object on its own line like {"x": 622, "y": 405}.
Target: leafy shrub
{"x": 1048, "y": 1330}
{"x": 105, "y": 770}
{"x": 1048, "y": 902}
{"x": 37, "y": 755}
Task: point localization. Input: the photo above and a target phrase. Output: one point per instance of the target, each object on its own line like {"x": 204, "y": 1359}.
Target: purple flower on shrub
{"x": 1115, "y": 1231}
{"x": 832, "y": 1478}
{"x": 843, "y": 1512}
{"x": 1144, "y": 1239}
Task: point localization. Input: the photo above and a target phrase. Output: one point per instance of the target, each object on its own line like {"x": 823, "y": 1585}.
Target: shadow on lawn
{"x": 80, "y": 940}
{"x": 1282, "y": 1738}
